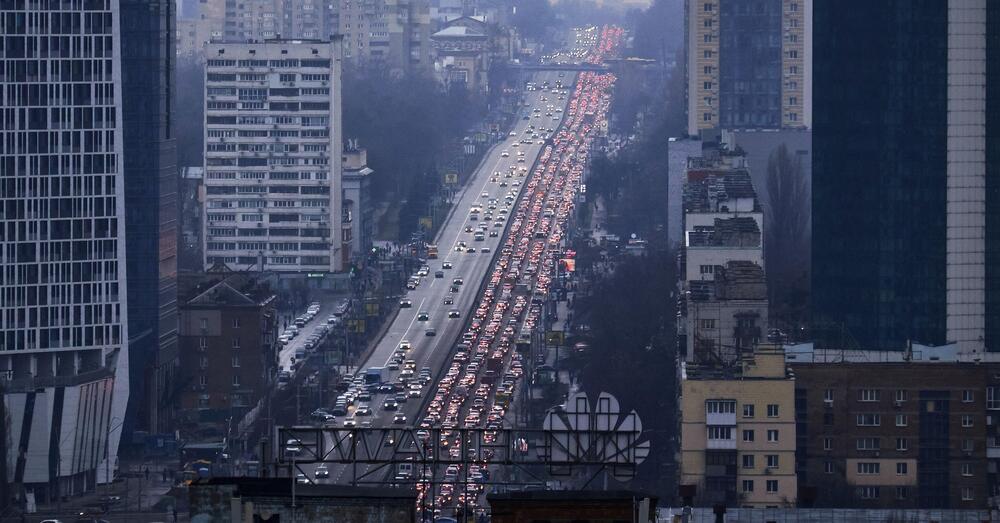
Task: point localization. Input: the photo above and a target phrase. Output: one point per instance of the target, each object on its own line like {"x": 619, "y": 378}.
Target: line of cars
{"x": 317, "y": 335}
{"x": 480, "y": 381}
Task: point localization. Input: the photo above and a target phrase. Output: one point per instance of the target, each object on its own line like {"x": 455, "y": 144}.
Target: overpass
{"x": 560, "y": 67}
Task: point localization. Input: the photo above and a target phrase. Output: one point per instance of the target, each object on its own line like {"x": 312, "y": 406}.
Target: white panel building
{"x": 273, "y": 157}
{"x": 63, "y": 330}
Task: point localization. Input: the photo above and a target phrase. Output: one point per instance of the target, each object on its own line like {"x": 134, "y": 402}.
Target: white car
{"x": 322, "y": 472}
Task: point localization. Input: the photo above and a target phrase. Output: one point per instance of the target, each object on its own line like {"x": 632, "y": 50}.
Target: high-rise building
{"x": 273, "y": 157}
{"x": 151, "y": 208}
{"x": 395, "y": 33}
{"x": 64, "y": 332}
{"x": 748, "y": 64}
{"x": 906, "y": 197}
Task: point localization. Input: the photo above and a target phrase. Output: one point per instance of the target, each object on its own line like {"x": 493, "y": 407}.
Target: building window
{"x": 204, "y": 362}
{"x": 236, "y": 343}
{"x": 828, "y": 396}
{"x": 868, "y": 444}
{"x": 900, "y": 395}
{"x": 900, "y": 420}
{"x": 236, "y": 323}
{"x": 748, "y": 435}
{"x": 708, "y": 7}
{"x": 968, "y": 445}
{"x": 707, "y": 324}
{"x": 993, "y": 398}
{"x": 902, "y": 444}
{"x": 717, "y": 432}
{"x": 868, "y": 468}
{"x": 901, "y": 469}
{"x": 967, "y": 494}
{"x": 720, "y": 406}
{"x": 968, "y": 396}
{"x": 203, "y": 380}
{"x": 967, "y": 469}
{"x": 708, "y": 87}
{"x": 828, "y": 467}
{"x": 707, "y": 117}
{"x": 827, "y": 443}
{"x": 706, "y": 269}
{"x": 747, "y": 485}
{"x": 202, "y": 343}
{"x": 203, "y": 402}
{"x": 772, "y": 435}
{"x": 772, "y": 485}
{"x": 772, "y": 411}
{"x": 748, "y": 461}
{"x": 748, "y": 410}
{"x": 902, "y": 492}
{"x": 793, "y": 6}
{"x": 236, "y": 380}
{"x": 869, "y": 420}
{"x": 708, "y": 69}
{"x": 772, "y": 461}
{"x": 869, "y": 395}
{"x": 204, "y": 323}
{"x": 236, "y": 361}
{"x": 868, "y": 492}
{"x": 966, "y": 420}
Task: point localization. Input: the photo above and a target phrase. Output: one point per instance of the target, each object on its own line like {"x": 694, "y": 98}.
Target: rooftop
{"x": 727, "y": 232}
{"x": 713, "y": 190}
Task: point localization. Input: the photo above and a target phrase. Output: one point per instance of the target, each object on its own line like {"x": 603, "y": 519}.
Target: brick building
{"x": 896, "y": 434}
{"x": 228, "y": 329}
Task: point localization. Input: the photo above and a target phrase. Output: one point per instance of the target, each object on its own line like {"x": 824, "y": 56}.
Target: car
{"x": 430, "y": 332}
{"x": 411, "y": 285}
{"x": 454, "y": 313}
{"x": 405, "y": 345}
{"x": 512, "y": 133}
{"x": 448, "y": 300}
{"x": 423, "y": 316}
{"x": 470, "y": 250}
{"x": 321, "y": 472}
{"x": 468, "y": 228}
{"x": 446, "y": 265}
{"x": 399, "y": 418}
{"x": 454, "y": 289}
{"x": 390, "y": 404}
{"x": 405, "y": 303}
{"x": 457, "y": 281}
{"x": 494, "y": 234}
{"x": 504, "y": 154}
{"x": 413, "y": 392}
{"x": 439, "y": 274}
{"x": 485, "y": 250}
{"x": 363, "y": 410}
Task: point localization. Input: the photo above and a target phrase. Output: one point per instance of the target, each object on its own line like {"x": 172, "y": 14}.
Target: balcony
{"x": 723, "y": 418}
{"x": 721, "y": 444}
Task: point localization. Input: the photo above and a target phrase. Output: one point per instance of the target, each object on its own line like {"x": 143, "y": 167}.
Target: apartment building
{"x": 227, "y": 345}
{"x": 903, "y": 434}
{"x": 738, "y": 432}
{"x": 358, "y": 208}
{"x": 394, "y": 33}
{"x": 64, "y": 315}
{"x": 749, "y": 64}
{"x": 723, "y": 300}
{"x": 273, "y": 157}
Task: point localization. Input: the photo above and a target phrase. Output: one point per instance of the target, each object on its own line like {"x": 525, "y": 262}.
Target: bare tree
{"x": 786, "y": 230}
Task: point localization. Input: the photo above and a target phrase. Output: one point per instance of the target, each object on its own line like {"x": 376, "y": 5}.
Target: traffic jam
{"x": 476, "y": 390}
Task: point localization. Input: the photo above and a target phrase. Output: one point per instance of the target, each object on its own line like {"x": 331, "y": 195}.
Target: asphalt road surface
{"x": 428, "y": 297}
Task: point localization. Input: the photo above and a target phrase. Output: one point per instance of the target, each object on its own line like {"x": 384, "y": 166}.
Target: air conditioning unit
{"x": 827, "y": 403}
{"x": 897, "y": 403}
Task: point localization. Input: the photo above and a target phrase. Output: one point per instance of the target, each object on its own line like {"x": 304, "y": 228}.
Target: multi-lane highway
{"x": 435, "y": 386}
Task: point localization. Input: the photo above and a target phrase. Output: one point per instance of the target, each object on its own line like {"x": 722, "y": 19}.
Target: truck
{"x": 432, "y": 252}
{"x": 374, "y": 376}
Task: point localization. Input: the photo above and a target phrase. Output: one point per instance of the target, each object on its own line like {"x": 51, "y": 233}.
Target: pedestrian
{"x": 164, "y": 474}
{"x": 147, "y": 473}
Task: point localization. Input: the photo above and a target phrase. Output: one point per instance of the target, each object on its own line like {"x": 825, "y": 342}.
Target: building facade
{"x": 896, "y": 435}
{"x": 393, "y": 33}
{"x": 358, "y": 208}
{"x": 905, "y": 200}
{"x": 64, "y": 316}
{"x": 738, "y": 432}
{"x": 227, "y": 349}
{"x": 748, "y": 64}
{"x": 151, "y": 209}
{"x": 273, "y": 157}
